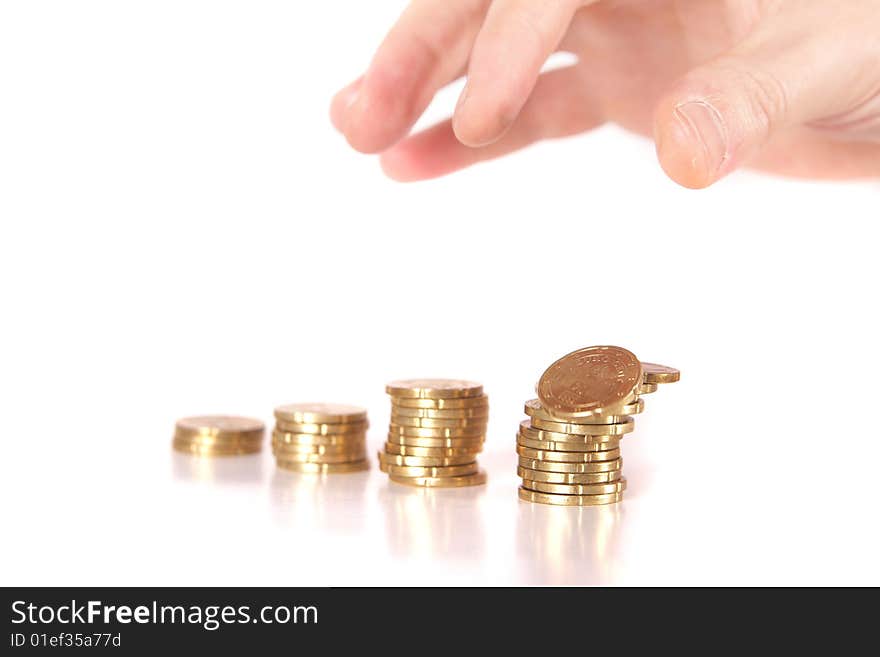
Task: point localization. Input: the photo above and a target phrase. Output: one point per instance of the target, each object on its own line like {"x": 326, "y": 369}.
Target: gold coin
{"x": 425, "y": 461}
{"x": 647, "y": 388}
{"x": 316, "y": 438}
{"x": 473, "y": 413}
{"x": 407, "y": 450}
{"x": 321, "y": 413}
{"x": 425, "y": 432}
{"x": 354, "y": 449}
{"x": 588, "y": 380}
{"x": 319, "y": 458}
{"x": 568, "y": 457}
{"x": 217, "y": 426}
{"x": 568, "y": 477}
{"x": 479, "y": 402}
{"x": 325, "y": 468}
{"x": 571, "y": 428}
{"x": 576, "y": 489}
{"x": 220, "y": 439}
{"x": 567, "y": 446}
{"x": 437, "y": 423}
{"x": 202, "y": 449}
{"x": 526, "y": 430}
{"x": 568, "y": 500}
{"x": 322, "y": 429}
{"x": 414, "y": 471}
{"x": 534, "y": 409}
{"x": 434, "y": 388}
{"x": 654, "y": 373}
{"x": 467, "y": 443}
{"x": 442, "y": 482}
{"x": 570, "y": 468}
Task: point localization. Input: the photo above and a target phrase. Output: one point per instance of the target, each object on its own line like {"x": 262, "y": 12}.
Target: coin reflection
{"x": 332, "y": 502}
{"x": 243, "y": 469}
{"x": 433, "y": 523}
{"x": 568, "y": 545}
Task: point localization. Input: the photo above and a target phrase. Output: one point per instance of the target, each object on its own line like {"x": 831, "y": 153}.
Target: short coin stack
{"x": 437, "y": 428}
{"x": 569, "y": 448}
{"x": 218, "y": 435}
{"x": 320, "y": 438}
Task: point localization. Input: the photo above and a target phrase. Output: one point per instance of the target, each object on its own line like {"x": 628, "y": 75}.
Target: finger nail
{"x": 704, "y": 126}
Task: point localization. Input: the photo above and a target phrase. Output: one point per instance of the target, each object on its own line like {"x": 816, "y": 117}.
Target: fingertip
{"x": 478, "y": 123}
{"x": 690, "y": 143}
{"x": 341, "y": 103}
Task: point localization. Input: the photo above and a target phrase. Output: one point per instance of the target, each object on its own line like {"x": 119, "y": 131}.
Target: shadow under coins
{"x": 559, "y": 545}
{"x": 246, "y": 469}
{"x": 330, "y": 502}
{"x": 441, "y": 523}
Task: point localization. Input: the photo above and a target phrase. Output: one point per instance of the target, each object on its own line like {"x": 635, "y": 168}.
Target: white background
{"x": 182, "y": 232}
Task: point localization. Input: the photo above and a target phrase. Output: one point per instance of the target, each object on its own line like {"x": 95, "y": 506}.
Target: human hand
{"x": 789, "y": 86}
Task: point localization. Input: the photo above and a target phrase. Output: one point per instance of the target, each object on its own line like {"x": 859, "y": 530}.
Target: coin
{"x": 325, "y": 468}
{"x": 466, "y": 443}
{"x": 353, "y": 449}
{"x": 443, "y": 482}
{"x": 568, "y": 500}
{"x": 618, "y": 429}
{"x": 424, "y": 432}
{"x": 473, "y": 413}
{"x": 576, "y": 489}
{"x": 434, "y": 388}
{"x": 414, "y": 471}
{"x": 567, "y": 446}
{"x": 526, "y": 430}
{"x": 406, "y": 450}
{"x": 479, "y": 402}
{"x": 321, "y": 428}
{"x": 218, "y": 425}
{"x": 568, "y": 477}
{"x": 568, "y": 457}
{"x": 202, "y": 449}
{"x": 321, "y": 413}
{"x": 534, "y": 409}
{"x": 425, "y": 461}
{"x": 647, "y": 388}
{"x": 286, "y": 457}
{"x": 315, "y": 438}
{"x": 437, "y": 423}
{"x": 654, "y": 373}
{"x": 588, "y": 380}
{"x": 570, "y": 468}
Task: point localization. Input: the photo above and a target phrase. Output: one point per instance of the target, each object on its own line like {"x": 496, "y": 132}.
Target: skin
{"x": 787, "y": 86}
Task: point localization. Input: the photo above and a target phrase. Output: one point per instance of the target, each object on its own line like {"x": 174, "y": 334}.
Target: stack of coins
{"x": 218, "y": 435}
{"x": 320, "y": 438}
{"x": 569, "y": 448}
{"x": 437, "y": 428}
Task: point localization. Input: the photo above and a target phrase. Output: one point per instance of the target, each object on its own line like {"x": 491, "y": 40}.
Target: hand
{"x": 790, "y": 86}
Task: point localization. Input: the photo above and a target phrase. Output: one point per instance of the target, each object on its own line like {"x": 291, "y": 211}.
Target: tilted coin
{"x": 576, "y": 489}
{"x": 202, "y": 449}
{"x": 588, "y": 380}
{"x": 448, "y": 432}
{"x": 475, "y": 412}
{"x": 618, "y": 429}
{"x": 568, "y": 500}
{"x": 567, "y": 446}
{"x": 434, "y": 388}
{"x": 325, "y": 468}
{"x": 292, "y": 448}
{"x": 568, "y": 477}
{"x": 218, "y": 425}
{"x": 654, "y": 373}
{"x": 647, "y": 388}
{"x": 318, "y": 458}
{"x": 320, "y": 428}
{"x": 316, "y": 438}
{"x": 478, "y": 402}
{"x": 534, "y": 409}
{"x": 570, "y": 468}
{"x": 438, "y": 423}
{"x": 526, "y": 430}
{"x": 425, "y": 461}
{"x": 568, "y": 457}
{"x": 413, "y": 471}
{"x": 466, "y": 443}
{"x": 321, "y": 413}
{"x": 475, "y": 479}
{"x": 406, "y": 450}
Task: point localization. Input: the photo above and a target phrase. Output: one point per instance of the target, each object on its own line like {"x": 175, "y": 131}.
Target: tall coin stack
{"x": 320, "y": 438}
{"x": 218, "y": 435}
{"x": 437, "y": 428}
{"x": 569, "y": 448}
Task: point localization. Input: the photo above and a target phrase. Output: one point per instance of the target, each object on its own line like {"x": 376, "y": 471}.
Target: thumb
{"x": 720, "y": 114}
